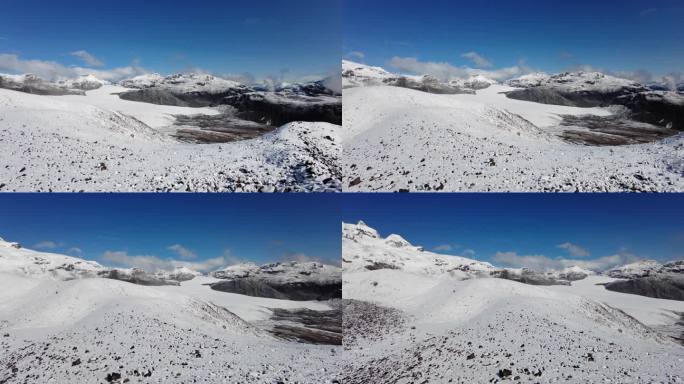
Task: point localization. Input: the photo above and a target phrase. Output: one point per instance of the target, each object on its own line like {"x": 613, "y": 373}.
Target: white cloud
{"x": 51, "y": 70}
{"x": 151, "y": 263}
{"x": 356, "y": 55}
{"x": 183, "y": 252}
{"x": 445, "y": 71}
{"x": 443, "y": 247}
{"x": 477, "y": 59}
{"x": 574, "y": 249}
{"x": 47, "y": 244}
{"x": 468, "y": 252}
{"x": 75, "y": 251}
{"x": 543, "y": 263}
{"x": 88, "y": 58}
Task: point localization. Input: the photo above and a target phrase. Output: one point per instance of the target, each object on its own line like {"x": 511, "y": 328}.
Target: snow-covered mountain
{"x": 361, "y": 75}
{"x": 475, "y": 82}
{"x": 85, "y": 83}
{"x": 30, "y": 83}
{"x": 290, "y": 271}
{"x": 365, "y": 250}
{"x": 409, "y": 318}
{"x": 649, "y": 278}
{"x": 178, "y": 274}
{"x": 594, "y": 89}
{"x": 183, "y": 83}
{"x": 17, "y": 260}
{"x": 577, "y": 81}
{"x": 291, "y": 280}
{"x": 640, "y": 268}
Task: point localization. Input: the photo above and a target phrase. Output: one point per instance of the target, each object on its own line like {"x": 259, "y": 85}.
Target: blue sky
{"x": 237, "y": 227}
{"x": 591, "y": 227}
{"x": 262, "y": 37}
{"x": 553, "y": 36}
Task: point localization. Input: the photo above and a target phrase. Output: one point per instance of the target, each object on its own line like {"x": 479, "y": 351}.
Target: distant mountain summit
{"x": 363, "y": 249}
{"x": 291, "y": 280}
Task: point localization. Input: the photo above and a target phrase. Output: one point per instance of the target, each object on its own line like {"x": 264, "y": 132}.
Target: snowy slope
{"x": 102, "y": 143}
{"x": 421, "y": 326}
{"x": 400, "y": 139}
{"x": 92, "y": 329}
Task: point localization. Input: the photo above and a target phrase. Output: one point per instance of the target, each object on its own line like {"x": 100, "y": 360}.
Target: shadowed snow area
{"x": 424, "y": 317}
{"x": 97, "y": 141}
{"x": 399, "y": 139}
{"x": 60, "y": 323}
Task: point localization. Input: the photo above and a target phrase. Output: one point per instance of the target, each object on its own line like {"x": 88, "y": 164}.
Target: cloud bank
{"x": 543, "y": 263}
{"x": 445, "y": 71}
{"x": 88, "y": 58}
{"x": 477, "y": 59}
{"x": 51, "y": 70}
{"x": 183, "y": 252}
{"x": 153, "y": 263}
{"x": 574, "y": 250}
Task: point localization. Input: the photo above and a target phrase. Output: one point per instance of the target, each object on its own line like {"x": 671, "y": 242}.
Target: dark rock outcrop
{"x": 279, "y": 109}
{"x": 135, "y": 276}
{"x": 165, "y": 96}
{"x": 644, "y": 105}
{"x": 293, "y": 290}
{"x": 661, "y": 286}
{"x": 529, "y": 277}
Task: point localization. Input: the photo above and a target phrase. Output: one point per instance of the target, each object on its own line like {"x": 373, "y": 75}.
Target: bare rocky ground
{"x": 514, "y": 345}
{"x": 307, "y": 326}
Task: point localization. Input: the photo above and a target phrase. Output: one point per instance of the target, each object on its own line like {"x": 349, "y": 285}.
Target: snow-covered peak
{"x": 396, "y": 241}
{"x": 283, "y": 272}
{"x": 17, "y": 260}
{"x": 142, "y": 81}
{"x": 364, "y": 250}
{"x": 529, "y": 80}
{"x": 641, "y": 268}
{"x": 577, "y": 269}
{"x": 85, "y": 83}
{"x": 356, "y": 74}
{"x": 575, "y": 81}
{"x": 178, "y": 274}
{"x": 358, "y": 230}
{"x": 475, "y": 82}
{"x": 183, "y": 83}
